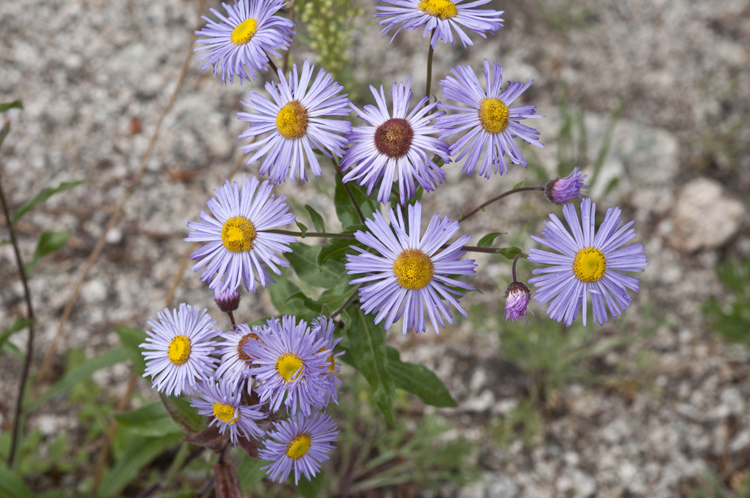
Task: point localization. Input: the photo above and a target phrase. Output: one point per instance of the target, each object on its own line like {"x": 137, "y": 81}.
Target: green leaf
{"x": 149, "y": 420}
{"x": 16, "y": 104}
{"x": 11, "y": 485}
{"x": 304, "y": 261}
{"x": 613, "y": 183}
{"x": 249, "y": 473}
{"x": 367, "y": 350}
{"x": 20, "y": 324}
{"x": 510, "y": 252}
{"x": 302, "y": 228}
{"x": 131, "y": 339}
{"x": 337, "y": 248}
{"x": 42, "y": 196}
{"x": 488, "y": 239}
{"x": 4, "y": 133}
{"x": 317, "y": 219}
{"x": 310, "y": 489}
{"x": 517, "y": 185}
{"x": 80, "y": 373}
{"x": 138, "y": 452}
{"x": 345, "y": 210}
{"x": 49, "y": 242}
{"x": 183, "y": 413}
{"x": 418, "y": 380}
{"x": 301, "y": 306}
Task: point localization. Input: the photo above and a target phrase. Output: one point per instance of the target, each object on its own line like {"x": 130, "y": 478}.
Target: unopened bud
{"x": 227, "y": 300}
{"x": 562, "y": 190}
{"x": 517, "y": 298}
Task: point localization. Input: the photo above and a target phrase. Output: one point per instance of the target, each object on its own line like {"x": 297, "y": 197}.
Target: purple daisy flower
{"x": 323, "y": 328}
{"x": 562, "y": 190}
{"x": 442, "y": 16}
{"x": 395, "y": 147}
{"x": 239, "y": 248}
{"x": 178, "y": 350}
{"x": 290, "y": 360}
{"x": 517, "y": 298}
{"x": 298, "y": 122}
{"x": 222, "y": 403}
{"x": 489, "y": 124}
{"x": 410, "y": 274}
{"x": 235, "y": 362}
{"x": 589, "y": 263}
{"x": 300, "y": 443}
{"x": 237, "y": 44}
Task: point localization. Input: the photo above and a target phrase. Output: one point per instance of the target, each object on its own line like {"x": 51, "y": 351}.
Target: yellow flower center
{"x": 493, "y": 114}
{"x": 298, "y": 447}
{"x": 225, "y": 413}
{"x": 179, "y": 350}
{"x": 241, "y": 346}
{"x": 292, "y": 120}
{"x": 330, "y": 359}
{"x": 589, "y": 265}
{"x": 238, "y": 234}
{"x": 244, "y": 32}
{"x": 413, "y": 269}
{"x": 444, "y": 9}
{"x": 287, "y": 365}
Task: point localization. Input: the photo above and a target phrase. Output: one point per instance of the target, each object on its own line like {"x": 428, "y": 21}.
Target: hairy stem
{"x": 504, "y": 194}
{"x": 17, "y": 419}
{"x": 513, "y": 268}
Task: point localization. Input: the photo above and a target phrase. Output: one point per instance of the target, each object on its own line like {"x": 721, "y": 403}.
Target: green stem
{"x": 348, "y": 190}
{"x": 504, "y": 194}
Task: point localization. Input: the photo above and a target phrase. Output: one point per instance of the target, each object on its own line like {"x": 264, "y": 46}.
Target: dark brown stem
{"x": 328, "y": 235}
{"x": 488, "y": 250}
{"x": 29, "y": 344}
{"x": 231, "y": 317}
{"x": 273, "y": 66}
{"x": 429, "y": 67}
{"x": 504, "y": 194}
{"x": 349, "y": 301}
{"x": 348, "y": 190}
{"x": 513, "y": 268}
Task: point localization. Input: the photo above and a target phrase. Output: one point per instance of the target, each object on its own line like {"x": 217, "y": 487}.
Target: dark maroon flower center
{"x": 393, "y": 138}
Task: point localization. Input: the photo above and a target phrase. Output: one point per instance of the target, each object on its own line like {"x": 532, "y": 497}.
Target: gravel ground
{"x": 94, "y": 77}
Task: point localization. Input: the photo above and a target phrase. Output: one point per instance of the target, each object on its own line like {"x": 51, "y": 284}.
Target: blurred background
{"x": 650, "y": 98}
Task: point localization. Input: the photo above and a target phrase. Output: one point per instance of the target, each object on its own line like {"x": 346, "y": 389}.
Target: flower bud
{"x": 227, "y": 300}
{"x": 517, "y": 297}
{"x": 562, "y": 190}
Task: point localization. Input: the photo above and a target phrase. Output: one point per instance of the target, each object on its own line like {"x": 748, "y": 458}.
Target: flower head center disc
{"x": 494, "y": 115}
{"x": 287, "y": 366}
{"x": 179, "y": 350}
{"x": 298, "y": 447}
{"x": 225, "y": 413}
{"x": 291, "y": 121}
{"x": 444, "y": 9}
{"x": 393, "y": 138}
{"x": 589, "y": 265}
{"x": 413, "y": 269}
{"x": 241, "y": 346}
{"x": 244, "y": 32}
{"x": 238, "y": 234}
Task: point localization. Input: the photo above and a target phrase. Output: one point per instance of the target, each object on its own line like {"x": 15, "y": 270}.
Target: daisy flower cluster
{"x": 270, "y": 380}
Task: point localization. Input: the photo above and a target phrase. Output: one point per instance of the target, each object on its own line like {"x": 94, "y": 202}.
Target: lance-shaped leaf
{"x": 131, "y": 339}
{"x": 149, "y": 420}
{"x": 367, "y": 352}
{"x": 345, "y": 209}
{"x": 42, "y": 196}
{"x": 488, "y": 239}
{"x": 181, "y": 412}
{"x": 317, "y": 219}
{"x": 511, "y": 252}
{"x": 418, "y": 380}
{"x": 49, "y": 242}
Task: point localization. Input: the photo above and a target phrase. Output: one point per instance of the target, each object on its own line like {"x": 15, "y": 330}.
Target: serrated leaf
{"x": 42, "y": 196}
{"x": 418, "y": 380}
{"x": 317, "y": 219}
{"x": 302, "y": 228}
{"x": 510, "y": 252}
{"x": 367, "y": 350}
{"x": 304, "y": 260}
{"x": 80, "y": 373}
{"x": 488, "y": 239}
{"x": 138, "y": 452}
{"x": 49, "y": 242}
{"x": 131, "y": 339}
{"x": 149, "y": 420}
{"x": 16, "y": 104}
{"x": 345, "y": 210}
{"x": 20, "y": 324}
